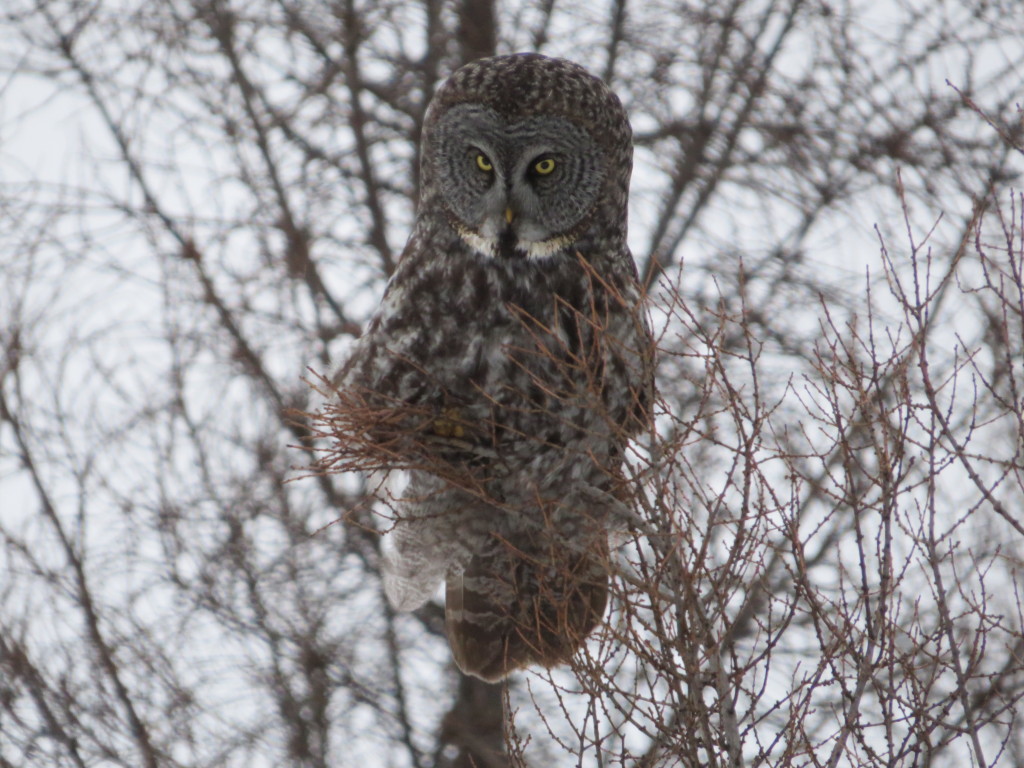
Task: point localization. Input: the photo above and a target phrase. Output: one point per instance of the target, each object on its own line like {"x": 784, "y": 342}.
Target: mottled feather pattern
{"x": 543, "y": 363}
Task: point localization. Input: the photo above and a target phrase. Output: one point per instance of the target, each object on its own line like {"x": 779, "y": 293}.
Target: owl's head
{"x": 525, "y": 155}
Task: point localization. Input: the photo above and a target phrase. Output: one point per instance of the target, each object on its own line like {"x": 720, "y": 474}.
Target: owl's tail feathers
{"x": 509, "y": 610}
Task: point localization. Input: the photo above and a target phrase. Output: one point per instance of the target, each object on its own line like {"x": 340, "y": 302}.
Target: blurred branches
{"x": 201, "y": 200}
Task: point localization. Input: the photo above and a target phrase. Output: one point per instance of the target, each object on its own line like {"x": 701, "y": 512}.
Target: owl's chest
{"x": 504, "y": 338}
{"x": 509, "y": 345}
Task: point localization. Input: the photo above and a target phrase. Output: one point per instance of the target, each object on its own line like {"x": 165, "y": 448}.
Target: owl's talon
{"x": 448, "y": 425}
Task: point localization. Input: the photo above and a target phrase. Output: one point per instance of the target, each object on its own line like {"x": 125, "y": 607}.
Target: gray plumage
{"x": 513, "y": 319}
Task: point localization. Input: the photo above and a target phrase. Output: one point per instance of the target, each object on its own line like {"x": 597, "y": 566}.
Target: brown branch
{"x": 146, "y": 749}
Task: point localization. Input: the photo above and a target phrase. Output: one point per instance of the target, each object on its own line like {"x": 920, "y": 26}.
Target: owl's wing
{"x": 629, "y": 364}
{"x": 640, "y": 366}
{"x": 390, "y": 338}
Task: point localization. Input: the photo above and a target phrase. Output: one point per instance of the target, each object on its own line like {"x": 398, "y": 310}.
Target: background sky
{"x": 201, "y": 201}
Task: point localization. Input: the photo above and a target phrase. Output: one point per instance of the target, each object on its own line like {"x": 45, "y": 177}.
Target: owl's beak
{"x": 509, "y": 215}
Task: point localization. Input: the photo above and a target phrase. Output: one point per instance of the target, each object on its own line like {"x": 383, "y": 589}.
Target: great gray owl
{"x": 513, "y": 321}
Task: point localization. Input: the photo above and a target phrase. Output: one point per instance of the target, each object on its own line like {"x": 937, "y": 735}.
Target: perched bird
{"x": 512, "y": 338}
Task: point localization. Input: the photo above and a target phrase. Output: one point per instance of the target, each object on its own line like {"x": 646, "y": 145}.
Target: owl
{"x": 511, "y": 346}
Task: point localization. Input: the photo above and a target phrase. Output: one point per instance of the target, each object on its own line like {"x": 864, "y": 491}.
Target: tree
{"x": 823, "y": 566}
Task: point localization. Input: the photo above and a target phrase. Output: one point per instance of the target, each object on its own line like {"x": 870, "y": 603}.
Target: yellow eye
{"x": 483, "y": 163}
{"x": 545, "y": 166}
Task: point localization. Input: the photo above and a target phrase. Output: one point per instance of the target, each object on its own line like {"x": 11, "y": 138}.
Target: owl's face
{"x": 521, "y": 187}
{"x": 525, "y": 156}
